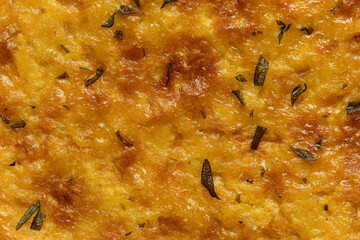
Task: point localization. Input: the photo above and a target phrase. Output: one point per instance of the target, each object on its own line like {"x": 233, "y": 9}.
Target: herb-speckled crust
{"x": 93, "y": 186}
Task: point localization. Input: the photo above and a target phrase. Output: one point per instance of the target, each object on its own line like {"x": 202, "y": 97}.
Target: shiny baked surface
{"x": 92, "y": 186}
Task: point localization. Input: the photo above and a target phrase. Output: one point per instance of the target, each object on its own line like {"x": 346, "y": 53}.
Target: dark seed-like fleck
{"x": 122, "y": 139}
{"x": 257, "y": 137}
{"x": 38, "y": 220}
{"x": 207, "y": 180}
{"x": 303, "y": 154}
{"x": 353, "y": 107}
{"x": 169, "y": 72}
{"x": 28, "y": 214}
{"x": 65, "y": 48}
{"x": 297, "y": 91}
{"x": 109, "y": 22}
{"x": 63, "y": 76}
{"x": 308, "y": 30}
{"x": 99, "y": 72}
{"x": 240, "y": 78}
{"x": 239, "y": 96}
{"x": 260, "y": 71}
{"x": 118, "y": 34}
{"x": 166, "y": 2}
{"x": 19, "y": 124}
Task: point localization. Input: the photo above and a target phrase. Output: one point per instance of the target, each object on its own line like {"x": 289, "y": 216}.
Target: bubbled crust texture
{"x": 92, "y": 186}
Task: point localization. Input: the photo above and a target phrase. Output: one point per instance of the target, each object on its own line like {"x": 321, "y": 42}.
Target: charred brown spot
{"x": 133, "y": 53}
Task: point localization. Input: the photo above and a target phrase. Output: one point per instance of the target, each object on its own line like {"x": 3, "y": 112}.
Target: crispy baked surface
{"x": 93, "y": 186}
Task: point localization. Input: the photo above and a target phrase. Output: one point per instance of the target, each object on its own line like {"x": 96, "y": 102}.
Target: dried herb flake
{"x": 252, "y": 113}
{"x": 240, "y": 78}
{"x": 28, "y": 214}
{"x": 283, "y": 29}
{"x": 166, "y": 2}
{"x": 65, "y": 48}
{"x": 118, "y": 34}
{"x": 38, "y": 220}
{"x": 326, "y": 207}
{"x": 318, "y": 144}
{"x": 239, "y": 96}
{"x": 262, "y": 172}
{"x": 99, "y": 72}
{"x": 109, "y": 22}
{"x": 122, "y": 139}
{"x": 128, "y": 233}
{"x": 308, "y": 30}
{"x": 63, "y": 76}
{"x": 84, "y": 68}
{"x": 303, "y": 154}
{"x": 304, "y": 180}
{"x": 5, "y": 119}
{"x": 127, "y": 10}
{"x": 297, "y": 91}
{"x": 260, "y": 71}
{"x": 207, "y": 180}
{"x": 336, "y": 8}
{"x": 12, "y": 164}
{"x": 19, "y": 124}
{"x": 353, "y": 107}
{"x": 169, "y": 73}
{"x": 260, "y": 131}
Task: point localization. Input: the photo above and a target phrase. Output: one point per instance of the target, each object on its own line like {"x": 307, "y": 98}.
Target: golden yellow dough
{"x": 93, "y": 186}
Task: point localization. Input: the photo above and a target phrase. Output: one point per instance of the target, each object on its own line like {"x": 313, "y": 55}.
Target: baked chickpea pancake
{"x": 179, "y": 119}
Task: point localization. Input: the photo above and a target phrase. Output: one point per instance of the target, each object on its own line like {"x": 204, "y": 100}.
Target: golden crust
{"x": 92, "y": 186}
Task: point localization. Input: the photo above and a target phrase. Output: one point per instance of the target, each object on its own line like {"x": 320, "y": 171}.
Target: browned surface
{"x": 92, "y": 186}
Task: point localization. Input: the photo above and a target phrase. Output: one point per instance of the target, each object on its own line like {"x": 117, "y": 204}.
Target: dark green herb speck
{"x": 128, "y": 233}
{"x": 169, "y": 73}
{"x": 109, "y": 22}
{"x": 308, "y": 30}
{"x": 203, "y": 114}
{"x": 239, "y": 96}
{"x": 12, "y": 164}
{"x": 318, "y": 144}
{"x": 250, "y": 181}
{"x": 207, "y": 180}
{"x": 99, "y": 72}
{"x": 283, "y": 29}
{"x": 344, "y": 86}
{"x": 84, "y": 68}
{"x": 38, "y": 220}
{"x": 252, "y": 113}
{"x": 278, "y": 194}
{"x": 240, "y": 78}
{"x": 262, "y": 172}
{"x": 166, "y": 2}
{"x": 127, "y": 10}
{"x": 19, "y": 124}
{"x": 326, "y": 207}
{"x": 260, "y": 131}
{"x": 303, "y": 154}
{"x": 297, "y": 91}
{"x": 65, "y": 48}
{"x": 28, "y": 214}
{"x": 118, "y": 34}
{"x": 260, "y": 71}
{"x": 353, "y": 107}
{"x": 5, "y": 119}
{"x": 122, "y": 139}
{"x": 336, "y": 8}
{"x": 304, "y": 180}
